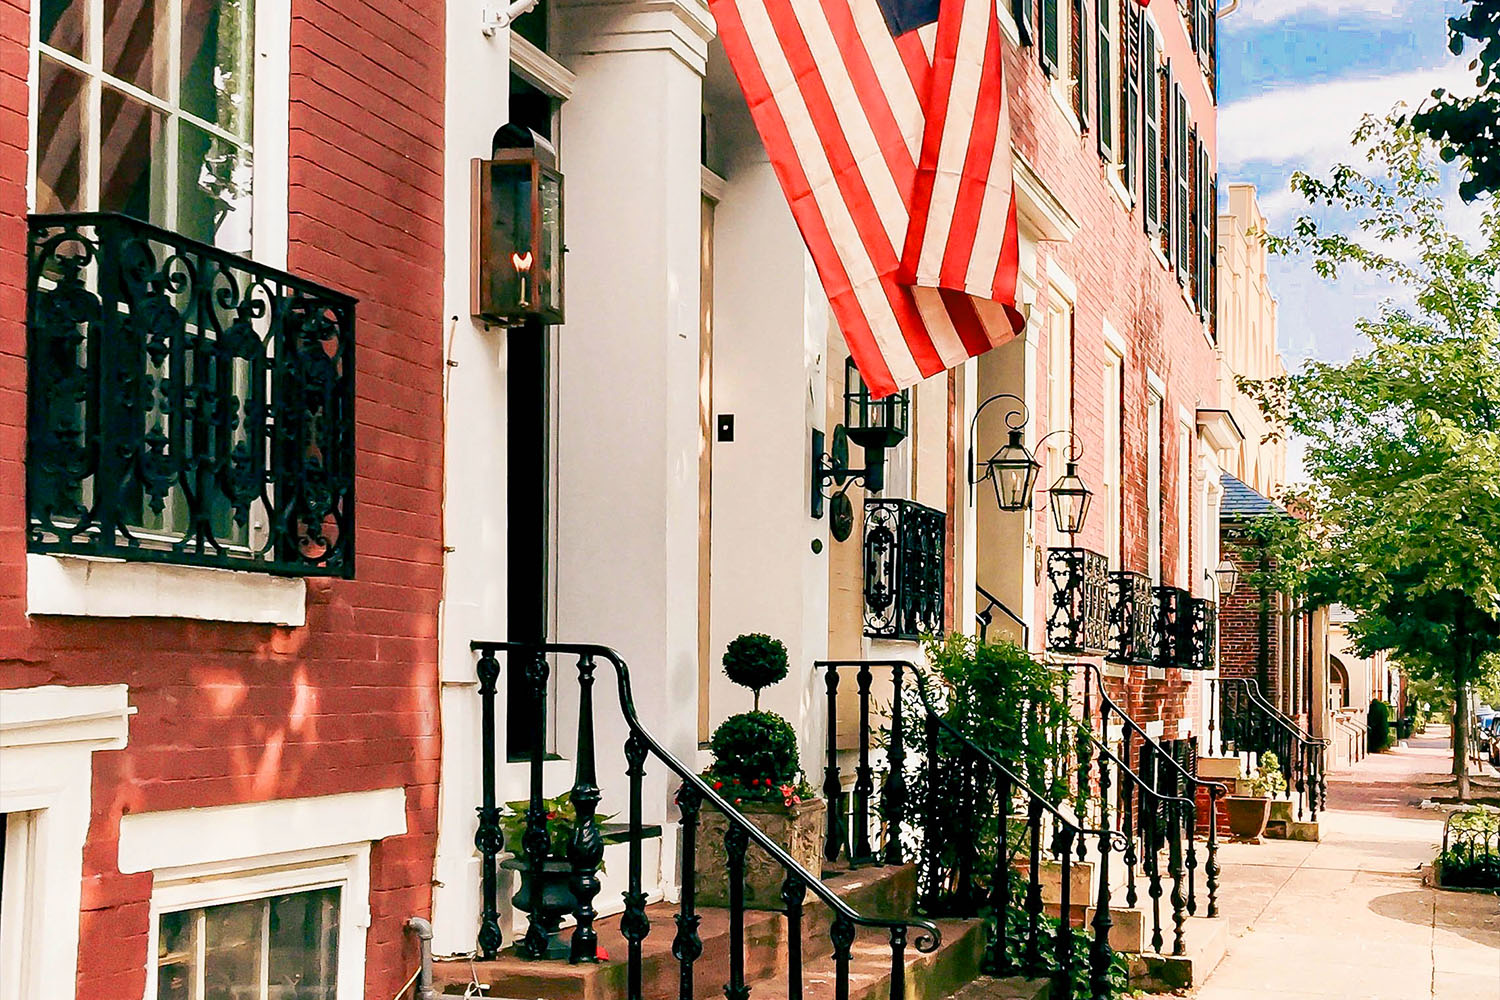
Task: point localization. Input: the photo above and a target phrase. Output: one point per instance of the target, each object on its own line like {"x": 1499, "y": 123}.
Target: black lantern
{"x": 1069, "y": 500}
{"x": 874, "y": 425}
{"x": 1012, "y": 470}
{"x": 1228, "y": 575}
{"x": 517, "y": 269}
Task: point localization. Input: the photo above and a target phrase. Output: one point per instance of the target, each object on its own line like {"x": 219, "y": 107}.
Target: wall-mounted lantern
{"x": 517, "y": 263}
{"x": 1228, "y": 577}
{"x": 1012, "y": 470}
{"x": 1069, "y": 499}
{"x": 873, "y": 424}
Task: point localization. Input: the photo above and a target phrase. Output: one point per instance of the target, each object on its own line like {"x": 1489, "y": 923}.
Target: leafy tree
{"x": 1403, "y": 441}
{"x": 1468, "y": 128}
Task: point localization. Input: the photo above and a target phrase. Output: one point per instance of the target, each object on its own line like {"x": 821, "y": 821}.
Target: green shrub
{"x": 1380, "y": 726}
{"x": 1267, "y": 781}
{"x": 755, "y": 661}
{"x": 759, "y": 747}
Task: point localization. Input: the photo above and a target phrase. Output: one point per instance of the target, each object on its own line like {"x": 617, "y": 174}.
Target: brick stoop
{"x": 1205, "y": 942}
{"x": 872, "y": 891}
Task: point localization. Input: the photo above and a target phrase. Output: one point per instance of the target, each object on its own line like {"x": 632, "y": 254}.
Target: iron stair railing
{"x": 986, "y": 617}
{"x": 586, "y": 847}
{"x": 948, "y": 860}
{"x": 1248, "y": 723}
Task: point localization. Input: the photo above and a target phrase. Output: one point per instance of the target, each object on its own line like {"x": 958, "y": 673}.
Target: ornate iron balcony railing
{"x": 1078, "y": 616}
{"x": 905, "y": 545}
{"x": 1205, "y": 633}
{"x": 185, "y": 404}
{"x": 1174, "y": 628}
{"x": 1132, "y": 618}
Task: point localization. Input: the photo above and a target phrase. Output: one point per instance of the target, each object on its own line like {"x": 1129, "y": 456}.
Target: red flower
{"x": 754, "y": 782}
{"x": 718, "y": 785}
{"x": 738, "y": 801}
{"x": 552, "y": 814}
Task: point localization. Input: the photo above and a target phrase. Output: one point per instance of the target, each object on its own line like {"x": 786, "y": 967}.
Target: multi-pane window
{"x": 280, "y": 948}
{"x": 145, "y": 108}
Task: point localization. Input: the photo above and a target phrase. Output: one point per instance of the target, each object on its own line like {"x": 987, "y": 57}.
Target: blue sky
{"x": 1295, "y": 77}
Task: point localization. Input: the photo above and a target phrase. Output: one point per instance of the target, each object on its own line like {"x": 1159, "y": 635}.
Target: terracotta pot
{"x": 1248, "y": 815}
{"x": 798, "y": 831}
{"x": 551, "y": 892}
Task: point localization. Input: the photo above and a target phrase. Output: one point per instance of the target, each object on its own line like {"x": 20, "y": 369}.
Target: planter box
{"x": 1247, "y": 816}
{"x": 799, "y": 830}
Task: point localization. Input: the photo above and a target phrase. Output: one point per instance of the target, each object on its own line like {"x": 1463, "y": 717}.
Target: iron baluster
{"x": 966, "y": 841}
{"x": 842, "y": 936}
{"x": 1211, "y": 869}
{"x": 1100, "y": 955}
{"x": 1129, "y": 823}
{"x": 931, "y": 848}
{"x": 634, "y": 924}
{"x": 1064, "y": 954}
{"x": 1174, "y": 862}
{"x": 489, "y": 839}
{"x": 735, "y": 843}
{"x": 893, "y": 795}
{"x": 1000, "y": 901}
{"x": 864, "y": 784}
{"x": 833, "y": 786}
{"x": 1034, "y": 887}
{"x": 1151, "y": 851}
{"x": 687, "y": 946}
{"x": 535, "y": 842}
{"x": 792, "y": 892}
{"x": 586, "y": 847}
{"x": 898, "y": 963}
{"x": 1083, "y": 750}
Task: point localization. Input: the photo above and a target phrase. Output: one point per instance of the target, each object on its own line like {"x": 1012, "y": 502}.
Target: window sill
{"x": 1064, "y": 102}
{"x": 106, "y": 588}
{"x": 1117, "y": 187}
{"x": 1161, "y": 258}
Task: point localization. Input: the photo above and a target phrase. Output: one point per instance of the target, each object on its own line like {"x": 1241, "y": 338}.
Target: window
{"x": 1128, "y": 71}
{"x": 1150, "y": 127}
{"x": 146, "y": 109}
{"x": 1049, "y": 52}
{"x": 1113, "y": 426}
{"x": 1153, "y": 485}
{"x": 1182, "y": 159}
{"x": 1184, "y": 506}
{"x": 277, "y": 948}
{"x": 1109, "y": 57}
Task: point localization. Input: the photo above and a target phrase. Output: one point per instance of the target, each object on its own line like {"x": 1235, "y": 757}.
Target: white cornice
{"x": 1038, "y": 207}
{"x": 539, "y": 69}
{"x": 44, "y": 716}
{"x": 682, "y": 27}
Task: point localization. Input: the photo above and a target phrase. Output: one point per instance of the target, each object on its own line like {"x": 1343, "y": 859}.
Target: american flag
{"x": 886, "y": 123}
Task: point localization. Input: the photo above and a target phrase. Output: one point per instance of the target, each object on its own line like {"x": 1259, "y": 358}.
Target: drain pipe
{"x": 423, "y": 930}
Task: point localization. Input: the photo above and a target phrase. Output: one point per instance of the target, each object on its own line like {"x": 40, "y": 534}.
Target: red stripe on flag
{"x": 1009, "y": 269}
{"x": 973, "y": 188}
{"x": 784, "y": 160}
{"x": 966, "y": 321}
{"x": 935, "y": 107}
{"x": 851, "y": 183}
{"x": 872, "y": 96}
{"x": 914, "y": 58}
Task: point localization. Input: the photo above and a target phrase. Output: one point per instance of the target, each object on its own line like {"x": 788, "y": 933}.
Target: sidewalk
{"x": 1349, "y": 918}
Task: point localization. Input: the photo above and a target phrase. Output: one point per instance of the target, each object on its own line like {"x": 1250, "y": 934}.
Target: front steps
{"x": 883, "y": 892}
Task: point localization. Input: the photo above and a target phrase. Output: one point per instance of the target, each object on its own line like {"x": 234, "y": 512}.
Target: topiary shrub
{"x": 759, "y": 747}
{"x": 1380, "y": 726}
{"x": 755, "y": 661}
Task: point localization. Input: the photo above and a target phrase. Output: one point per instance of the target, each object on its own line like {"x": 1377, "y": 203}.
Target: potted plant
{"x": 757, "y": 768}
{"x": 545, "y": 895}
{"x": 1248, "y": 814}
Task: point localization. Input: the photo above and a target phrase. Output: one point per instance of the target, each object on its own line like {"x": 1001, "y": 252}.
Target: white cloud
{"x": 1270, "y": 11}
{"x": 1307, "y": 127}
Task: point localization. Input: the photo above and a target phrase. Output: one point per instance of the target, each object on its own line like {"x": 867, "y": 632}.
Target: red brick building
{"x": 206, "y": 695}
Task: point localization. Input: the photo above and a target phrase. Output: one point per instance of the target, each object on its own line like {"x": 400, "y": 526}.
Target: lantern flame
{"x": 521, "y": 261}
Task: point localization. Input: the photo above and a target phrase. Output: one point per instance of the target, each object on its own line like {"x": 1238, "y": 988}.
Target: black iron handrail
{"x": 1302, "y": 755}
{"x": 586, "y": 848}
{"x": 1066, "y": 831}
{"x": 1217, "y": 788}
{"x": 986, "y": 617}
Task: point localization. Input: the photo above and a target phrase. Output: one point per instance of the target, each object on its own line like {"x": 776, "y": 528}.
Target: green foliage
{"x": 1117, "y": 978}
{"x": 562, "y": 816}
{"x": 1008, "y": 702}
{"x": 759, "y": 747}
{"x": 1466, "y": 126}
{"x": 1470, "y": 862}
{"x": 1267, "y": 781}
{"x": 1402, "y": 443}
{"x": 1379, "y": 719}
{"x": 755, "y": 661}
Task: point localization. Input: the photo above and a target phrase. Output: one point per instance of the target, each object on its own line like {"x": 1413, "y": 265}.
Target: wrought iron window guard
{"x": 1205, "y": 633}
{"x": 1173, "y": 641}
{"x": 905, "y": 549}
{"x": 185, "y": 404}
{"x": 1078, "y": 616}
{"x": 1132, "y": 618}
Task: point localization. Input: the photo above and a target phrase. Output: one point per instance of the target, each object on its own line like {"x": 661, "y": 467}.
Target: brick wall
{"x": 1121, "y": 279}
{"x": 235, "y": 713}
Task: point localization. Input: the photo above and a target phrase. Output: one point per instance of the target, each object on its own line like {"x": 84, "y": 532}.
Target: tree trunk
{"x": 1461, "y": 739}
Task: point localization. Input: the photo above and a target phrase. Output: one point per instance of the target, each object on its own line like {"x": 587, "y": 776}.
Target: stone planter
{"x": 552, "y": 893}
{"x": 798, "y": 830}
{"x": 1248, "y": 815}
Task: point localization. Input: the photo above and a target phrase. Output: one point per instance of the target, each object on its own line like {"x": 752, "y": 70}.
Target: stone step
{"x": 954, "y": 964}
{"x": 988, "y": 988}
{"x": 1205, "y": 942}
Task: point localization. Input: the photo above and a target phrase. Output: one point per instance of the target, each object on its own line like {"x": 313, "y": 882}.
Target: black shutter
{"x": 1024, "y": 11}
{"x": 1206, "y": 211}
{"x": 1106, "y": 28}
{"x": 1129, "y": 34}
{"x": 1213, "y": 259}
{"x": 1150, "y": 129}
{"x": 1183, "y": 162}
{"x": 1195, "y": 220}
{"x": 1047, "y": 51}
{"x": 1080, "y": 54}
{"x": 1167, "y": 118}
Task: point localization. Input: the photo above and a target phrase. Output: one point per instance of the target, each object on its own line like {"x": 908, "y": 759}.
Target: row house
{"x": 221, "y": 431}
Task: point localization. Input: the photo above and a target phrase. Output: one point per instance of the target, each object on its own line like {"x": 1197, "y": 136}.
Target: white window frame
{"x": 47, "y": 739}
{"x": 269, "y": 143}
{"x": 1155, "y": 415}
{"x": 1114, "y": 427}
{"x": 229, "y": 854}
{"x": 1062, "y": 293}
{"x": 1185, "y": 435}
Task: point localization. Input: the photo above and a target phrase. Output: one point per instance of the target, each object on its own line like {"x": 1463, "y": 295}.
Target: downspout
{"x": 423, "y": 930}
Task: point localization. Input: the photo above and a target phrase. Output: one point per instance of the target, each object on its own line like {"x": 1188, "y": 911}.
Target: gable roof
{"x": 1241, "y": 502}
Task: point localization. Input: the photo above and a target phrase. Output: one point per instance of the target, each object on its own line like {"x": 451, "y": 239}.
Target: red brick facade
{"x": 1121, "y": 279}
{"x": 236, "y": 713}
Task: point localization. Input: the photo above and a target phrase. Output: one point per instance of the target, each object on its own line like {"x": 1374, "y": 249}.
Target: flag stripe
{"x": 897, "y": 144}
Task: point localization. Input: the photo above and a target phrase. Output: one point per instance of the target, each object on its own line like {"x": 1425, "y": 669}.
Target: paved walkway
{"x": 1350, "y": 918}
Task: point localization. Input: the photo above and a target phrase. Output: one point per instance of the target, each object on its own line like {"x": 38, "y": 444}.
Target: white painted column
{"x": 627, "y": 367}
